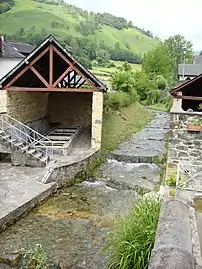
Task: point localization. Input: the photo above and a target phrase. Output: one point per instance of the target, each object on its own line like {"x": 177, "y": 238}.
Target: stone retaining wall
{"x": 173, "y": 245}
{"x": 184, "y": 146}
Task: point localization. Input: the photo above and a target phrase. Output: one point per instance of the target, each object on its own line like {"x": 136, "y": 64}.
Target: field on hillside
{"x": 62, "y": 21}
{"x": 106, "y": 72}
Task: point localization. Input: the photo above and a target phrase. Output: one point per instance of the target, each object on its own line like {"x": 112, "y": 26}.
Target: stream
{"x": 73, "y": 224}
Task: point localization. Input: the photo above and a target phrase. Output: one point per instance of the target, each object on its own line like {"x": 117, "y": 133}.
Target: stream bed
{"x": 73, "y": 224}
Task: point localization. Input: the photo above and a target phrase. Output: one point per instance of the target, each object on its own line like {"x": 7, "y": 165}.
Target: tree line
{"x": 86, "y": 49}
{"x": 6, "y": 5}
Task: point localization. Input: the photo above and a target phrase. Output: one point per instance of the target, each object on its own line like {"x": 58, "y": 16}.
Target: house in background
{"x": 9, "y": 58}
{"x": 190, "y": 71}
{"x": 54, "y": 106}
{"x": 24, "y": 49}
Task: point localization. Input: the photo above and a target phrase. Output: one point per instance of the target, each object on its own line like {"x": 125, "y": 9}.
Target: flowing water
{"x": 72, "y": 225}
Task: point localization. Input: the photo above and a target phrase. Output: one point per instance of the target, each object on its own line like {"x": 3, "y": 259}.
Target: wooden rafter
{"x": 51, "y": 66}
{"x": 186, "y": 97}
{"x": 26, "y": 68}
{"x": 28, "y": 89}
{"x": 39, "y": 76}
{"x": 74, "y": 67}
{"x": 62, "y": 76}
{"x": 81, "y": 84}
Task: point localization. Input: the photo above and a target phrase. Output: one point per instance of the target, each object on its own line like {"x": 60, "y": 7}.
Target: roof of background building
{"x": 22, "y": 48}
{"x": 10, "y": 52}
{"x": 189, "y": 69}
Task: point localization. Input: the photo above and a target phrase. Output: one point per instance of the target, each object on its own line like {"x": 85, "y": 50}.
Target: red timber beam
{"x": 51, "y": 66}
{"x": 74, "y": 67}
{"x": 29, "y": 67}
{"x": 27, "y": 89}
{"x": 186, "y": 97}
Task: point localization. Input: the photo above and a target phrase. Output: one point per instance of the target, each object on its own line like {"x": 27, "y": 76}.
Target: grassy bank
{"x": 118, "y": 125}
{"x": 160, "y": 107}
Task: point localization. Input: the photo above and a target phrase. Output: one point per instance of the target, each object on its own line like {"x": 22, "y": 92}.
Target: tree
{"x": 200, "y": 53}
{"x": 123, "y": 81}
{"x": 177, "y": 45}
{"x": 161, "y": 82}
{"x": 158, "y": 62}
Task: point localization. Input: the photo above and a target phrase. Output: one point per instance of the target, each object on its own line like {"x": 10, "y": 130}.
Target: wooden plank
{"x": 74, "y": 67}
{"x": 62, "y": 76}
{"x": 51, "y": 66}
{"x": 188, "y": 97}
{"x": 39, "y": 76}
{"x": 26, "y": 68}
{"x": 28, "y": 89}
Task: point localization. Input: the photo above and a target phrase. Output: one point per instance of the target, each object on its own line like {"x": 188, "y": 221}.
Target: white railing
{"x": 26, "y": 138}
{"x": 189, "y": 176}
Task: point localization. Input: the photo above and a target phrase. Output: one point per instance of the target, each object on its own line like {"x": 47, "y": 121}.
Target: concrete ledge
{"x": 24, "y": 209}
{"x": 173, "y": 245}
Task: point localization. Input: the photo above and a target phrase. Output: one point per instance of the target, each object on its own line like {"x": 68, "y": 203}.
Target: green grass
{"x": 118, "y": 125}
{"x": 132, "y": 239}
{"x": 160, "y": 107}
{"x": 26, "y": 14}
{"x": 106, "y": 72}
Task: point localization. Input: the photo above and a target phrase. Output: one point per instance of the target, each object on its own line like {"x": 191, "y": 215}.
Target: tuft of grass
{"x": 35, "y": 258}
{"x": 130, "y": 243}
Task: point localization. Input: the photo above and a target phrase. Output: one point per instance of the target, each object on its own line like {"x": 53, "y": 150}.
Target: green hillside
{"x": 64, "y": 20}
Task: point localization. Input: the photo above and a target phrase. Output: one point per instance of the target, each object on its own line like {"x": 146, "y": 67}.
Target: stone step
{"x": 38, "y": 155}
{"x": 18, "y": 144}
{"x": 31, "y": 151}
{"x": 44, "y": 159}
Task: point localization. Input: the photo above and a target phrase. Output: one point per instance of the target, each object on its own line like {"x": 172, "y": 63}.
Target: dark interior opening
{"x": 192, "y": 89}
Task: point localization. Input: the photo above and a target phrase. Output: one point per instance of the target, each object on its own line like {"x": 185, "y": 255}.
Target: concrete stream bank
{"x": 72, "y": 225}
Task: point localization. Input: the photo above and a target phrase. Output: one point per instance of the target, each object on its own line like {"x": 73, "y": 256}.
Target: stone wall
{"x": 71, "y": 108}
{"x": 97, "y": 115}
{"x": 184, "y": 146}
{"x": 173, "y": 245}
{"x": 27, "y": 107}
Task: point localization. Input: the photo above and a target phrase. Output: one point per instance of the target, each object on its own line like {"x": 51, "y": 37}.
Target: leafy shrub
{"x": 118, "y": 99}
{"x": 153, "y": 96}
{"x": 143, "y": 84}
{"x": 123, "y": 81}
{"x": 132, "y": 240}
{"x": 161, "y": 82}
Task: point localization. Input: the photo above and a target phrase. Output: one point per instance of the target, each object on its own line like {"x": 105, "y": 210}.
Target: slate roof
{"x": 190, "y": 69}
{"x": 10, "y": 52}
{"x": 197, "y": 59}
{"x": 184, "y": 85}
{"x": 51, "y": 40}
{"x": 22, "y": 48}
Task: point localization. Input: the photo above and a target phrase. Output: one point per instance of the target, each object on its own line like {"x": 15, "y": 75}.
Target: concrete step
{"x": 44, "y": 159}
{"x": 38, "y": 155}
{"x": 31, "y": 151}
{"x": 6, "y": 137}
{"x": 18, "y": 144}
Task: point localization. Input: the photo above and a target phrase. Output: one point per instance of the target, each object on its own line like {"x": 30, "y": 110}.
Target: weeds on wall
{"x": 132, "y": 239}
{"x": 35, "y": 258}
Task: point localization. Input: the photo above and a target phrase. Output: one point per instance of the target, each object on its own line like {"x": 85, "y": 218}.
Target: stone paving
{"x": 135, "y": 164}
{"x": 18, "y": 185}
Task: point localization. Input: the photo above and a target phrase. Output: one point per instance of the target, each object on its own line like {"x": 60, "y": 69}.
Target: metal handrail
{"x": 21, "y": 133}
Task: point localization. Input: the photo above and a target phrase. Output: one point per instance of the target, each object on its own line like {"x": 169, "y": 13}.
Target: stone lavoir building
{"x": 186, "y": 125}
{"x": 53, "y": 104}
